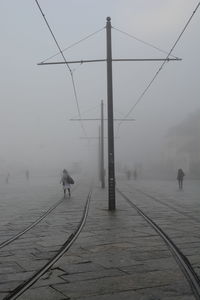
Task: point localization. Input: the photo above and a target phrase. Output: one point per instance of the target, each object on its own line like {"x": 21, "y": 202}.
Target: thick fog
{"x": 37, "y": 103}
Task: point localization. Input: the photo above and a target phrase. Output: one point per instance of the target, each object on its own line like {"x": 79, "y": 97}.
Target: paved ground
{"x": 116, "y": 256}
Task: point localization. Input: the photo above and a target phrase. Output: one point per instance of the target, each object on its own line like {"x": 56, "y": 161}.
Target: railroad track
{"x": 173, "y": 207}
{"x": 32, "y": 225}
{"x": 20, "y": 289}
{"x": 180, "y": 258}
{"x": 19, "y": 234}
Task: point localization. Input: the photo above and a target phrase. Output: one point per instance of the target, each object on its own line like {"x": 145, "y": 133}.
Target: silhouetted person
{"x": 135, "y": 174}
{"x": 128, "y": 174}
{"x": 180, "y": 176}
{"x": 66, "y": 180}
{"x": 7, "y": 178}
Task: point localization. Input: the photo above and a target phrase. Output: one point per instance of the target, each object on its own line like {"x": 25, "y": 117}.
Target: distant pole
{"x": 99, "y": 155}
{"x": 111, "y": 161}
{"x": 102, "y": 148}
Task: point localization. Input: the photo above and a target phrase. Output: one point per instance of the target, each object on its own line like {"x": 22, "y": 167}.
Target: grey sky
{"x": 36, "y": 102}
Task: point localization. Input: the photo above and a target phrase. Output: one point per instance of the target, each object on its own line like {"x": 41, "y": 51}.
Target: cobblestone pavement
{"x": 116, "y": 256}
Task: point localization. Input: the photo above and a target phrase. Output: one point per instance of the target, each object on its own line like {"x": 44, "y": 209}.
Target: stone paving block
{"x": 176, "y": 290}
{"x": 152, "y": 265}
{"x": 32, "y": 265}
{"x": 6, "y": 287}
{"x": 130, "y": 295}
{"x": 116, "y": 284}
{"x": 109, "y": 246}
{"x": 82, "y": 266}
{"x": 20, "y": 246}
{"x": 10, "y": 267}
{"x": 15, "y": 276}
{"x": 197, "y": 270}
{"x": 81, "y": 276}
{"x": 52, "y": 276}
{"x": 183, "y": 297}
{"x": 44, "y": 255}
{"x": 5, "y": 253}
{"x": 43, "y": 293}
{"x": 71, "y": 259}
{"x": 114, "y": 259}
{"x": 2, "y": 295}
{"x": 19, "y": 254}
{"x": 194, "y": 259}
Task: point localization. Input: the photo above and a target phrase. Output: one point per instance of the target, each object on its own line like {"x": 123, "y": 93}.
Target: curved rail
{"x": 28, "y": 283}
{"x": 15, "y": 237}
{"x": 181, "y": 259}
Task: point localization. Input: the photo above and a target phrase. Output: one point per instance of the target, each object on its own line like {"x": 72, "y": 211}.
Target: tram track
{"x": 180, "y": 258}
{"x": 32, "y": 225}
{"x": 191, "y": 218}
{"x": 20, "y": 289}
{"x": 18, "y": 235}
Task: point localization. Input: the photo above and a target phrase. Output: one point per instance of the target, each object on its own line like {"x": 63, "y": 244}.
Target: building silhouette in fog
{"x": 182, "y": 146}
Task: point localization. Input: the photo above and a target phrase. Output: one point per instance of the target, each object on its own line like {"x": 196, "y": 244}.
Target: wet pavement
{"x": 116, "y": 256}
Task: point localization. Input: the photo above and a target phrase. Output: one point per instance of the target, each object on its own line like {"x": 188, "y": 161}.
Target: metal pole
{"x": 111, "y": 162}
{"x": 99, "y": 154}
{"x": 102, "y": 148}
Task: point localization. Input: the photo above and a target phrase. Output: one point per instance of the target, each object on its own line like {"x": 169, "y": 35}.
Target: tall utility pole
{"x": 109, "y": 60}
{"x": 99, "y": 154}
{"x": 102, "y": 148}
{"x": 111, "y": 158}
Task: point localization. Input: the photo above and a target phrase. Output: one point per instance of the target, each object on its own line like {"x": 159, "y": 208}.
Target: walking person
{"x": 128, "y": 174}
{"x": 135, "y": 174}
{"x": 180, "y": 176}
{"x": 7, "y": 178}
{"x": 66, "y": 180}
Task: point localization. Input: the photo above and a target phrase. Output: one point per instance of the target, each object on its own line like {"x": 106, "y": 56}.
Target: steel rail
{"x": 181, "y": 259}
{"x": 28, "y": 283}
{"x": 18, "y": 235}
{"x": 191, "y": 218}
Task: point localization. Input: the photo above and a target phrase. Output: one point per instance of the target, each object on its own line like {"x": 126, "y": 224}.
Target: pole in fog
{"x": 111, "y": 159}
{"x": 102, "y": 148}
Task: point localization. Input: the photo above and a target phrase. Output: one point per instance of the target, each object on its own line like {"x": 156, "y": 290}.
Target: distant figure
{"x": 128, "y": 174}
{"x": 7, "y": 178}
{"x": 27, "y": 174}
{"x": 135, "y": 174}
{"x": 66, "y": 180}
{"x": 180, "y": 176}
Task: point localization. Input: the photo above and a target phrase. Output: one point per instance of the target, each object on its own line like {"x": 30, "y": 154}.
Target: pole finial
{"x": 108, "y": 19}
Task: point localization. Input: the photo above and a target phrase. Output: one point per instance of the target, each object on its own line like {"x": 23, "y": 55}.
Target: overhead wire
{"x": 160, "y": 68}
{"x": 71, "y": 73}
{"x": 142, "y": 41}
{"x": 74, "y": 44}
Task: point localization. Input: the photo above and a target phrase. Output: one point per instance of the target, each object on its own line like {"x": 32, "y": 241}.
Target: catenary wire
{"x": 142, "y": 41}
{"x": 61, "y": 52}
{"x": 160, "y": 68}
{"x": 74, "y": 44}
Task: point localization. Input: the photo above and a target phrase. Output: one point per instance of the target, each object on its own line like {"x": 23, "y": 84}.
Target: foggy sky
{"x": 37, "y": 102}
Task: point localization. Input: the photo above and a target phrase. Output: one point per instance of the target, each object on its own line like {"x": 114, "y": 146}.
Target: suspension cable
{"x": 142, "y": 41}
{"x": 160, "y": 68}
{"x": 74, "y": 44}
{"x": 67, "y": 65}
